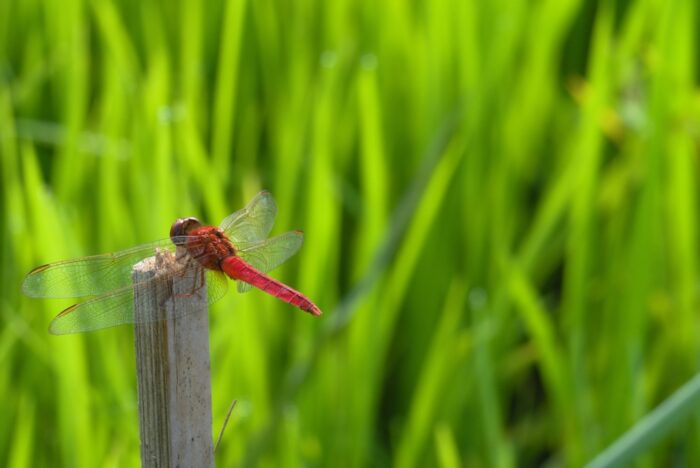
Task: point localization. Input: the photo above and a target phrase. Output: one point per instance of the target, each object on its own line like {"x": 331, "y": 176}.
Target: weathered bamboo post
{"x": 173, "y": 368}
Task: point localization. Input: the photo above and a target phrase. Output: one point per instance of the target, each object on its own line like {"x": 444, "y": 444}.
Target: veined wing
{"x": 108, "y": 310}
{"x": 268, "y": 254}
{"x": 217, "y": 285}
{"x": 87, "y": 276}
{"x": 116, "y": 307}
{"x": 252, "y": 223}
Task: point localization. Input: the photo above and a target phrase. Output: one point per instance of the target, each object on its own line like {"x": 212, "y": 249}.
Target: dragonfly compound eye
{"x": 183, "y": 226}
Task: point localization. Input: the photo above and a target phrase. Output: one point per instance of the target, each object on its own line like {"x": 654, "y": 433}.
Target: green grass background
{"x": 500, "y": 207}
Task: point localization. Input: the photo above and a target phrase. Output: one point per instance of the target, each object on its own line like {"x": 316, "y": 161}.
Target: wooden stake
{"x": 173, "y": 368}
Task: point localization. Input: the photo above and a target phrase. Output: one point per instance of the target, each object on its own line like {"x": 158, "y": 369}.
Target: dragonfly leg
{"x": 197, "y": 283}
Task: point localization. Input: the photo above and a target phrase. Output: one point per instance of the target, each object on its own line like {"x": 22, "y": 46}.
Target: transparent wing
{"x": 108, "y": 310}
{"x": 217, "y": 285}
{"x": 117, "y": 307}
{"x": 267, "y": 255}
{"x": 252, "y": 223}
{"x": 88, "y": 276}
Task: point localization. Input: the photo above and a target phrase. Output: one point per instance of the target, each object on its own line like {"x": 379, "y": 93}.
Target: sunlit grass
{"x": 499, "y": 201}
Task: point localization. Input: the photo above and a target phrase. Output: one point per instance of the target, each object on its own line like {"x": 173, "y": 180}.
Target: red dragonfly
{"x": 239, "y": 249}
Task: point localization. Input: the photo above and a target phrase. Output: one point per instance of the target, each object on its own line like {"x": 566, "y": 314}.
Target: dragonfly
{"x": 239, "y": 248}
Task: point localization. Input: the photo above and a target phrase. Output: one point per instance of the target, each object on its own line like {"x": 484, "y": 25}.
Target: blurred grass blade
{"x": 677, "y": 408}
{"x": 23, "y": 434}
{"x": 435, "y": 376}
{"x": 225, "y": 107}
{"x": 446, "y": 447}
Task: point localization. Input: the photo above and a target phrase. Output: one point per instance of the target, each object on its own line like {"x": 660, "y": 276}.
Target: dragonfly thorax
{"x": 209, "y": 246}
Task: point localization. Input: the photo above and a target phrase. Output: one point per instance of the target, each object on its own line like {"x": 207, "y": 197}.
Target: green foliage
{"x": 500, "y": 206}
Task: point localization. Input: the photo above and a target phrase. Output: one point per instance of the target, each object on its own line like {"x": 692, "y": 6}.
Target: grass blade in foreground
{"x": 651, "y": 428}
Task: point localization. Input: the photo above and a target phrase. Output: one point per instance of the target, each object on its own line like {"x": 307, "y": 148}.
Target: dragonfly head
{"x": 183, "y": 227}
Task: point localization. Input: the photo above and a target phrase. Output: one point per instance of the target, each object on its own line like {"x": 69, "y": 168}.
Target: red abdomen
{"x": 238, "y": 269}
